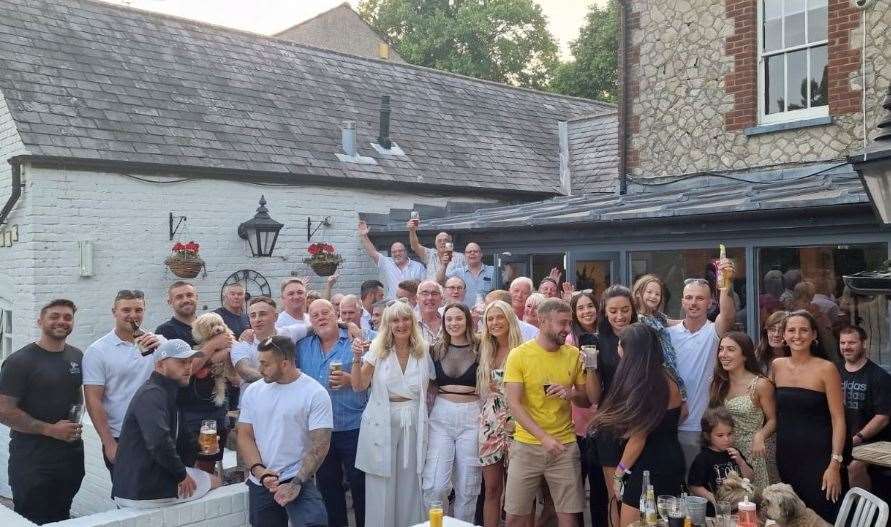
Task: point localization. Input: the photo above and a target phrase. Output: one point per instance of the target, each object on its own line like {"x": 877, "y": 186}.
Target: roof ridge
{"x": 310, "y": 19}
{"x": 260, "y": 36}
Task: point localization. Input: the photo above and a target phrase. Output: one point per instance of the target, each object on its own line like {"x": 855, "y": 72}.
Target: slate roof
{"x": 594, "y": 153}
{"x": 85, "y": 79}
{"x": 810, "y": 186}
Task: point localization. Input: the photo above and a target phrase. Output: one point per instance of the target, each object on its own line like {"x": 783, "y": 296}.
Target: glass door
{"x": 593, "y": 270}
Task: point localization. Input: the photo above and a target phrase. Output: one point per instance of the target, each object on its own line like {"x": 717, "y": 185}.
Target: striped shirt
{"x": 313, "y": 361}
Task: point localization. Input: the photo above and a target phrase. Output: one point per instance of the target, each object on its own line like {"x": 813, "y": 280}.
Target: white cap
{"x": 175, "y": 349}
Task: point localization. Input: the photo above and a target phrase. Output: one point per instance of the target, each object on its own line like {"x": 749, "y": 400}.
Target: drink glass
{"x": 664, "y": 505}
{"x": 546, "y": 385}
{"x": 415, "y": 218}
{"x": 589, "y": 353}
{"x": 76, "y": 413}
{"x": 207, "y": 438}
{"x": 436, "y": 513}
{"x": 334, "y": 366}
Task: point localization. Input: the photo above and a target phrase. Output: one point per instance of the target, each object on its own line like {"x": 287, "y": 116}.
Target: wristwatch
{"x": 837, "y": 458}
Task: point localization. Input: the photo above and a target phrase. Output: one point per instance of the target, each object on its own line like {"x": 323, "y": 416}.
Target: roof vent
{"x": 385, "y": 146}
{"x": 348, "y": 142}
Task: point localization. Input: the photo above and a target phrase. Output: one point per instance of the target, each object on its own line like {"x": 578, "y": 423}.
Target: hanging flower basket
{"x": 185, "y": 262}
{"x": 323, "y": 260}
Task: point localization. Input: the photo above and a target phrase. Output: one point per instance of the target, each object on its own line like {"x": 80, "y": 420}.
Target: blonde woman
{"x": 500, "y": 334}
{"x": 392, "y": 445}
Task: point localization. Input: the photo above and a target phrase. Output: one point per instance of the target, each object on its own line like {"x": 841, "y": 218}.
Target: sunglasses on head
{"x": 126, "y": 294}
{"x": 697, "y": 281}
{"x": 393, "y": 302}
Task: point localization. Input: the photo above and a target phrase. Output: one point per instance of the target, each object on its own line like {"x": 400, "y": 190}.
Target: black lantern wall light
{"x": 261, "y": 231}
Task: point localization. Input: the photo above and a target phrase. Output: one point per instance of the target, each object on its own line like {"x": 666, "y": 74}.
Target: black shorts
{"x": 605, "y": 449}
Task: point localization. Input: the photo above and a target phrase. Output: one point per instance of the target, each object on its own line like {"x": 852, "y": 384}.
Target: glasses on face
{"x": 455, "y": 287}
{"x": 127, "y": 294}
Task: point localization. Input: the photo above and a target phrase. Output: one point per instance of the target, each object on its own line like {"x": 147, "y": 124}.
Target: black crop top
{"x": 464, "y": 354}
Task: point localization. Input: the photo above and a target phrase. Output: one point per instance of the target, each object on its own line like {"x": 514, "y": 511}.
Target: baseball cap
{"x": 175, "y": 349}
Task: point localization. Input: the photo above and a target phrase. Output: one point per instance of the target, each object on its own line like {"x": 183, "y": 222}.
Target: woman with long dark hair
{"x": 453, "y": 445}
{"x": 810, "y": 418}
{"x": 643, "y": 407}
{"x": 771, "y": 345}
{"x": 748, "y": 396}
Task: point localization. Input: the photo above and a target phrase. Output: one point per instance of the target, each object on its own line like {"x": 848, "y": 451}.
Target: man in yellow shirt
{"x": 541, "y": 377}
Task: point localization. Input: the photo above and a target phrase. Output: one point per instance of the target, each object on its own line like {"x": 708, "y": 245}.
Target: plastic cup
{"x": 696, "y": 507}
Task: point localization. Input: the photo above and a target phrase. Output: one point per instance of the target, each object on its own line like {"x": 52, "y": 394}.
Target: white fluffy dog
{"x": 780, "y": 504}
{"x": 206, "y": 327}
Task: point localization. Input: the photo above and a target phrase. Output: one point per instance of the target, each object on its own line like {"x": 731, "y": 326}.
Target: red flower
{"x": 191, "y": 247}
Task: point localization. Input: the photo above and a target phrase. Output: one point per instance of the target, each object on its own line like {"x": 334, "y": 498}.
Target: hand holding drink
{"x": 589, "y": 356}
{"x": 208, "y": 442}
{"x": 724, "y": 267}
{"x": 336, "y": 377}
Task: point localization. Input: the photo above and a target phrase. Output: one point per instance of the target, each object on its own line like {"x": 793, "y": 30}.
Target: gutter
{"x": 16, "y": 191}
{"x": 624, "y": 40}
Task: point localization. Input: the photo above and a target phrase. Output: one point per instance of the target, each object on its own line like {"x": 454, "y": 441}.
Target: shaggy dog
{"x": 735, "y": 488}
{"x": 206, "y": 327}
{"x": 780, "y": 504}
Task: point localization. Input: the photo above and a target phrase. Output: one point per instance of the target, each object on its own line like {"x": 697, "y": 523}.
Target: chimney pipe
{"x": 348, "y": 138}
{"x": 383, "y": 137}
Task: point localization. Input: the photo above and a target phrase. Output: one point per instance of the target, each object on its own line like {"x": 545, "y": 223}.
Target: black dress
{"x": 663, "y": 457}
{"x": 605, "y": 448}
{"x": 804, "y": 446}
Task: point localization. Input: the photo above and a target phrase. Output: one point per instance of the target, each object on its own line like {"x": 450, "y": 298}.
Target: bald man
{"x": 478, "y": 277}
{"x": 316, "y": 354}
{"x": 432, "y": 257}
{"x": 394, "y": 268}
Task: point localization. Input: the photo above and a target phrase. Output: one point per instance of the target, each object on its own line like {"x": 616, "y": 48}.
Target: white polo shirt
{"x": 285, "y": 319}
{"x": 392, "y": 274}
{"x": 248, "y": 350}
{"x": 528, "y": 331}
{"x": 121, "y": 369}
{"x": 697, "y": 353}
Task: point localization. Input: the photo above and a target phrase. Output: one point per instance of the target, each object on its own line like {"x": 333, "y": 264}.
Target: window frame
{"x": 6, "y": 331}
{"x": 788, "y": 116}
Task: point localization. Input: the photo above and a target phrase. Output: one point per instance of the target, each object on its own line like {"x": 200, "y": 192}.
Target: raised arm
{"x": 366, "y": 242}
{"x": 329, "y": 286}
{"x": 415, "y": 242}
{"x": 726, "y": 305}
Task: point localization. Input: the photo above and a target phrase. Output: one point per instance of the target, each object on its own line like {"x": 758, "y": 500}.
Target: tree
{"x": 594, "y": 72}
{"x": 498, "y": 40}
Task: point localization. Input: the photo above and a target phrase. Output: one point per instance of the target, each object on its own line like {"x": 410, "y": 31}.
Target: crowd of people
{"x": 430, "y": 386}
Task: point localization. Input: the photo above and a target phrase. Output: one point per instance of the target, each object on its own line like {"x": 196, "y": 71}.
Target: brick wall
{"x": 127, "y": 221}
{"x": 693, "y": 82}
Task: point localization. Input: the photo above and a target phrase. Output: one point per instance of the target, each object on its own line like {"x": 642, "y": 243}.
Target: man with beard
{"x": 39, "y": 385}
{"x": 196, "y": 400}
{"x": 541, "y": 378}
{"x": 394, "y": 268}
{"x": 114, "y": 368}
{"x": 867, "y": 389}
{"x": 245, "y": 357}
{"x": 284, "y": 432}
{"x": 316, "y": 354}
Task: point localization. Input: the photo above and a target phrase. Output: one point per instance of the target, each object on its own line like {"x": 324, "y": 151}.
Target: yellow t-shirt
{"x": 533, "y": 366}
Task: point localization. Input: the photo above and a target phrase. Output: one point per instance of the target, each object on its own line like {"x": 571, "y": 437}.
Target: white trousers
{"x": 396, "y": 501}
{"x": 453, "y": 456}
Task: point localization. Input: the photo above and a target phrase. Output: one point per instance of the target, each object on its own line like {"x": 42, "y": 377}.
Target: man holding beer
{"x": 327, "y": 357}
{"x": 148, "y": 471}
{"x": 40, "y": 401}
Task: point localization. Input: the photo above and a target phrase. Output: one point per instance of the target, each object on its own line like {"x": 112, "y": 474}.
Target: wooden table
{"x": 878, "y": 453}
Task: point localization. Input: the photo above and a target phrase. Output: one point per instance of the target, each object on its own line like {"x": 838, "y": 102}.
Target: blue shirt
{"x": 476, "y": 284}
{"x": 347, "y": 404}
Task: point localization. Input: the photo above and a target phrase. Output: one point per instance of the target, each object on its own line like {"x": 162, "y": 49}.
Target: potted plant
{"x": 185, "y": 262}
{"x": 323, "y": 259}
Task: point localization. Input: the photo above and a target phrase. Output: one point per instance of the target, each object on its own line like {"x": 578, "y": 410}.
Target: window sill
{"x": 790, "y": 125}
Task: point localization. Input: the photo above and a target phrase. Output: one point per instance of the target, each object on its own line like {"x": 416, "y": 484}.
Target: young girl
{"x": 649, "y": 301}
{"x": 717, "y": 458}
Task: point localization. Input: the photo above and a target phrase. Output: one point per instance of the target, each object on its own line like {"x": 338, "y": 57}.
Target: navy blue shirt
{"x": 236, "y": 323}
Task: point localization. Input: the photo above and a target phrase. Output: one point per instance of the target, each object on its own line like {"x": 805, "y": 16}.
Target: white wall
{"x": 127, "y": 220}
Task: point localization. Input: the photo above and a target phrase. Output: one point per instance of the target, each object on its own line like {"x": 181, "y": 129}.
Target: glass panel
{"x": 673, "y": 267}
{"x": 773, "y": 25}
{"x": 594, "y": 275}
{"x": 542, "y": 265}
{"x": 819, "y": 76}
{"x": 817, "y": 20}
{"x": 796, "y": 78}
{"x": 774, "y": 101}
{"x": 510, "y": 267}
{"x": 793, "y": 22}
{"x": 811, "y": 278}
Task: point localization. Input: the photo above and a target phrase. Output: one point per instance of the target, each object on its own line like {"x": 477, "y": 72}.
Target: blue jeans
{"x": 307, "y": 509}
{"x": 341, "y": 459}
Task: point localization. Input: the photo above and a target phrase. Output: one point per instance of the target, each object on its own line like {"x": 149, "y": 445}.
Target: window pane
{"x": 673, "y": 267}
{"x": 542, "y": 265}
{"x": 593, "y": 274}
{"x": 793, "y": 18}
{"x": 811, "y": 278}
{"x": 817, "y": 20}
{"x": 796, "y": 76}
{"x": 819, "y": 76}
{"x": 773, "y": 25}
{"x": 774, "y": 101}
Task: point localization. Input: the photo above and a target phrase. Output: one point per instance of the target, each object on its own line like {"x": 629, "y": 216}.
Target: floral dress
{"x": 748, "y": 419}
{"x": 496, "y": 423}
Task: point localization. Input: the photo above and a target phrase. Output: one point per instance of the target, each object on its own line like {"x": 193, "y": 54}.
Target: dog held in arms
{"x": 204, "y": 328}
{"x": 780, "y": 504}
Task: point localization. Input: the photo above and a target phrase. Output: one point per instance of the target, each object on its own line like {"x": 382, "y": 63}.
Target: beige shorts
{"x": 529, "y": 464}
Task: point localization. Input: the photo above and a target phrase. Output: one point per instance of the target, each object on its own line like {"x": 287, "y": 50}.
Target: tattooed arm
{"x": 17, "y": 419}
{"x": 320, "y": 440}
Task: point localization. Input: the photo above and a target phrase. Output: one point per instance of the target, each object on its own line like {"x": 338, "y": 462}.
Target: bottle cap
{"x": 746, "y": 505}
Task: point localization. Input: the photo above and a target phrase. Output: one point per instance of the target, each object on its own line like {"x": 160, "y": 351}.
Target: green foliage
{"x": 498, "y": 40}
{"x": 594, "y": 72}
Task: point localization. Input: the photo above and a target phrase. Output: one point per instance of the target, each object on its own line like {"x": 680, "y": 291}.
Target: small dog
{"x": 206, "y": 327}
{"x": 735, "y": 488}
{"x": 780, "y": 504}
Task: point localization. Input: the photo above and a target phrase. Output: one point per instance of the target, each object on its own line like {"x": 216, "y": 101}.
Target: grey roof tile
{"x": 92, "y": 67}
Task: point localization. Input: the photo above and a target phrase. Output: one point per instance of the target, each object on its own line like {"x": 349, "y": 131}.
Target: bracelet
{"x": 263, "y": 478}
{"x": 255, "y": 465}
{"x": 860, "y": 435}
{"x": 622, "y": 467}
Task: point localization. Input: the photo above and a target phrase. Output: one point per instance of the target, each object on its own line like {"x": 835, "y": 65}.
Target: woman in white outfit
{"x": 393, "y": 435}
{"x": 453, "y": 447}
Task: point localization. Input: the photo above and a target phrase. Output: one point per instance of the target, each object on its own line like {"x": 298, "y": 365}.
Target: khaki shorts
{"x": 530, "y": 463}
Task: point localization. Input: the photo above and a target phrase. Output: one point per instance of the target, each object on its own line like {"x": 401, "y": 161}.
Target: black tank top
{"x": 468, "y": 378}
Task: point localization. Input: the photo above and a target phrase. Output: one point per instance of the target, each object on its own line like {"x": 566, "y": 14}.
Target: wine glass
{"x": 664, "y": 505}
